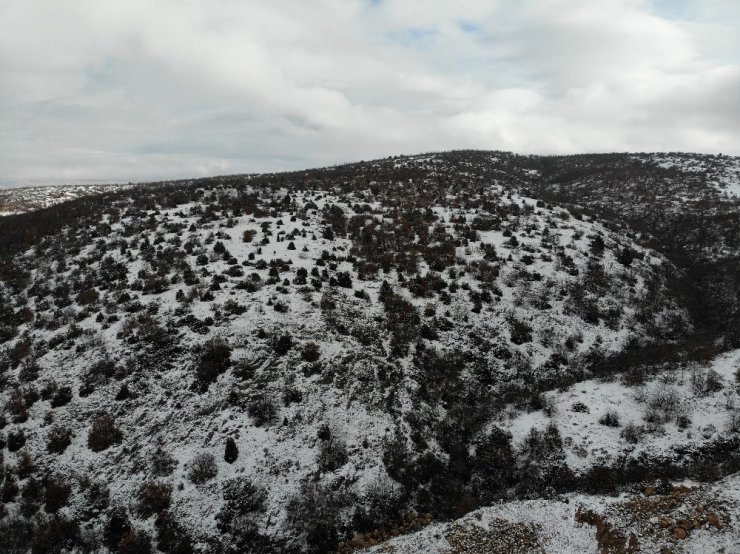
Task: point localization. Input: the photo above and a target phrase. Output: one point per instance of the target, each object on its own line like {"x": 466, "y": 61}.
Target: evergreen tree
{"x": 232, "y": 452}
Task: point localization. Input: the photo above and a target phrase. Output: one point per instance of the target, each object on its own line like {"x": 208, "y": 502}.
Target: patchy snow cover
{"x": 710, "y": 513}
{"x": 697, "y": 414}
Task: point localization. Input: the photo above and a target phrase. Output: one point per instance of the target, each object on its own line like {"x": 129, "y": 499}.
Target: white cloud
{"x": 138, "y": 90}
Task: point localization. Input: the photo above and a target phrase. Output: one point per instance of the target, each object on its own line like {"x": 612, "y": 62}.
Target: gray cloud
{"x": 136, "y": 90}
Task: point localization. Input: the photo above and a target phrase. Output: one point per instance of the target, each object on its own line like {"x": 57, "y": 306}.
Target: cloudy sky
{"x": 130, "y": 90}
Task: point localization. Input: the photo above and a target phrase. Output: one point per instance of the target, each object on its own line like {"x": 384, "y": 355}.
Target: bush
{"x": 241, "y": 498}
{"x": 203, "y": 468}
{"x": 332, "y": 453}
{"x": 103, "y": 433}
{"x": 162, "y": 462}
{"x": 57, "y": 495}
{"x": 262, "y": 410}
{"x": 171, "y": 536}
{"x": 115, "y": 528}
{"x": 135, "y": 542}
{"x": 632, "y": 433}
{"x": 16, "y": 440}
{"x": 61, "y": 397}
{"x": 310, "y": 352}
{"x": 54, "y": 534}
{"x": 231, "y": 452}
{"x": 580, "y": 407}
{"x": 610, "y": 419}
{"x": 153, "y": 498}
{"x": 215, "y": 358}
{"x": 283, "y": 345}
{"x": 521, "y": 332}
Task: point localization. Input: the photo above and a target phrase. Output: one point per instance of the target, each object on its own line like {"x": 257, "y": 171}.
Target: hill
{"x": 283, "y": 362}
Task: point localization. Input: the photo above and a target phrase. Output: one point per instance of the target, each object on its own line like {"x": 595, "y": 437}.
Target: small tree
{"x": 232, "y": 452}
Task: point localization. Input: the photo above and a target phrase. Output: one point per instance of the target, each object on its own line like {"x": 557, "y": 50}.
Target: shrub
{"x": 54, "y": 534}
{"x": 283, "y": 345}
{"x": 115, "y": 528}
{"x": 153, "y": 498}
{"x": 248, "y": 235}
{"x": 215, "y": 358}
{"x": 332, "y": 453}
{"x": 610, "y": 419}
{"x": 88, "y": 296}
{"x": 344, "y": 279}
{"x": 61, "y": 397}
{"x": 135, "y": 542}
{"x": 103, "y": 433}
{"x": 9, "y": 489}
{"x": 231, "y": 452}
{"x": 171, "y": 536}
{"x": 241, "y": 498}
{"x": 580, "y": 407}
{"x": 310, "y": 352}
{"x": 521, "y": 332}
{"x": 203, "y": 468}
{"x": 16, "y": 440}
{"x": 162, "y": 462}
{"x": 632, "y": 433}
{"x": 57, "y": 494}
{"x": 25, "y": 466}
{"x": 262, "y": 410}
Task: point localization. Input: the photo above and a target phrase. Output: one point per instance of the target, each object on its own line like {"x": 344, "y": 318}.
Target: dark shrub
{"x": 283, "y": 345}
{"x": 610, "y": 419}
{"x": 310, "y": 352}
{"x": 632, "y": 433}
{"x": 332, "y": 454}
{"x": 116, "y": 526}
{"x": 580, "y": 407}
{"x": 241, "y": 498}
{"x": 215, "y": 358}
{"x": 171, "y": 536}
{"x": 57, "y": 494}
{"x": 54, "y": 534}
{"x": 61, "y": 397}
{"x": 344, "y": 279}
{"x": 521, "y": 332}
{"x": 162, "y": 462}
{"x": 103, "y": 433}
{"x": 153, "y": 498}
{"x": 135, "y": 542}
{"x": 9, "y": 489}
{"x": 262, "y": 410}
{"x": 16, "y": 440}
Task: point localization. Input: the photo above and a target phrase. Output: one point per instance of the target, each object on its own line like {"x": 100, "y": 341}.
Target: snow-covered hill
{"x": 282, "y": 363}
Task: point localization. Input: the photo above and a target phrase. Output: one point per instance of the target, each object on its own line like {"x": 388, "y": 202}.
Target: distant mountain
{"x": 317, "y": 361}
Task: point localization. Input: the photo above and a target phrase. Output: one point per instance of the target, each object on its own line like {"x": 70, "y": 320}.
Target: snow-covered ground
{"x": 710, "y": 515}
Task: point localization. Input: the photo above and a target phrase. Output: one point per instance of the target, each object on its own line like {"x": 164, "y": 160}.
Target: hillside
{"x": 288, "y": 362}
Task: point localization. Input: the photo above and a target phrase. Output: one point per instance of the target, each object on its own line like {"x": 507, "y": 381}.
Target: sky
{"x": 137, "y": 90}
